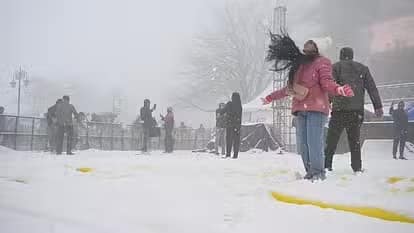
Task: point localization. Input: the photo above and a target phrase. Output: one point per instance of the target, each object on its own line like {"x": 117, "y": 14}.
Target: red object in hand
{"x": 345, "y": 90}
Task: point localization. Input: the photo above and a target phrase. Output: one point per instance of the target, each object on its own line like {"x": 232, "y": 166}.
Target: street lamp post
{"x": 18, "y": 77}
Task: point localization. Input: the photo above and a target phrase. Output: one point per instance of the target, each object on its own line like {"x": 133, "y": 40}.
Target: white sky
{"x": 132, "y": 44}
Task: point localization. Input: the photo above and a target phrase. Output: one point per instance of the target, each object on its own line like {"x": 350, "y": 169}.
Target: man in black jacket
{"x": 400, "y": 117}
{"x": 146, "y": 117}
{"x": 348, "y": 113}
{"x": 64, "y": 112}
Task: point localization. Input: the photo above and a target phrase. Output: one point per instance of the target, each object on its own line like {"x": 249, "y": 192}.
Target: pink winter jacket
{"x": 317, "y": 77}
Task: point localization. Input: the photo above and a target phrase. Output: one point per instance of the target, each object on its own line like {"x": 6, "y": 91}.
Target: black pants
{"x": 52, "y": 135}
{"x": 232, "y": 141}
{"x": 169, "y": 140}
{"x": 351, "y": 122}
{"x": 61, "y": 130}
{"x": 146, "y": 137}
{"x": 400, "y": 137}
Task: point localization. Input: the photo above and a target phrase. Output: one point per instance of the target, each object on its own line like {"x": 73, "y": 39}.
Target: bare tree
{"x": 231, "y": 58}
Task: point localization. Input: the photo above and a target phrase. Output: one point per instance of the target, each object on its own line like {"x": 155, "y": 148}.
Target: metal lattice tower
{"x": 117, "y": 103}
{"x": 282, "y": 118}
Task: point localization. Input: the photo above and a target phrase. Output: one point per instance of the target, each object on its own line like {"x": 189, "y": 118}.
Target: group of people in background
{"x": 318, "y": 89}
{"x": 228, "y": 125}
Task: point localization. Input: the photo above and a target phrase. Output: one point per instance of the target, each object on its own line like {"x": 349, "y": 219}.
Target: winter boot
{"x": 308, "y": 176}
{"x": 359, "y": 172}
{"x": 402, "y": 157}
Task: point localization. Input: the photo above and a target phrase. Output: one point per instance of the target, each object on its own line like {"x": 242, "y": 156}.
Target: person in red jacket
{"x": 309, "y": 83}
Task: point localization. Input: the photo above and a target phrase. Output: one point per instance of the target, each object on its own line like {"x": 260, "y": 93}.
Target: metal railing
{"x": 31, "y": 134}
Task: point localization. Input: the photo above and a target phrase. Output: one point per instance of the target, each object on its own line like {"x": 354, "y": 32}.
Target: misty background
{"x": 189, "y": 54}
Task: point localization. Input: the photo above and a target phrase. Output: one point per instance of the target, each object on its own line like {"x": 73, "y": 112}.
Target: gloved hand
{"x": 379, "y": 112}
{"x": 267, "y": 100}
{"x": 345, "y": 90}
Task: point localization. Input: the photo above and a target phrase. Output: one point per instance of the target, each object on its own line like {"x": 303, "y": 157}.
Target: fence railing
{"x": 31, "y": 133}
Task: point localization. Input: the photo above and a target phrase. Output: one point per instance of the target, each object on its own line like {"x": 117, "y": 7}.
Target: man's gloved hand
{"x": 345, "y": 90}
{"x": 267, "y": 100}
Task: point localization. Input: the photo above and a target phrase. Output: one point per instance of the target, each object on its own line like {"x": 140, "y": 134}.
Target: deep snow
{"x": 195, "y": 192}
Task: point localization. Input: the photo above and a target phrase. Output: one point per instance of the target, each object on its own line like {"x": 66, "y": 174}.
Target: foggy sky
{"x": 129, "y": 45}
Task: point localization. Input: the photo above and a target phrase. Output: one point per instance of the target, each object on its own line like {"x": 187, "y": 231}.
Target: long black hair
{"x": 287, "y": 56}
{"x": 236, "y": 102}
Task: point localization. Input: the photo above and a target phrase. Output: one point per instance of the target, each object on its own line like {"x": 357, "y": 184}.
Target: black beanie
{"x": 346, "y": 54}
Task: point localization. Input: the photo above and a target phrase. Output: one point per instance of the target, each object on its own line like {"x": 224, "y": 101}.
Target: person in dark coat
{"x": 146, "y": 117}
{"x": 169, "y": 127}
{"x": 348, "y": 113}
{"x": 400, "y": 118}
{"x": 233, "y": 110}
{"x": 52, "y": 125}
{"x": 220, "y": 130}
{"x": 64, "y": 120}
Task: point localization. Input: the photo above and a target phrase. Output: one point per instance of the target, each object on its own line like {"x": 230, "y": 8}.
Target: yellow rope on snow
{"x": 84, "y": 169}
{"x": 394, "y": 179}
{"x": 361, "y": 210}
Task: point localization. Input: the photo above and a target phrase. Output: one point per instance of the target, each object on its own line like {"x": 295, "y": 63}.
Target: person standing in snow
{"x": 146, "y": 117}
{"x": 309, "y": 83}
{"x": 233, "y": 111}
{"x": 400, "y": 118}
{"x": 52, "y": 125}
{"x": 64, "y": 120}
{"x": 169, "y": 127}
{"x": 220, "y": 130}
{"x": 348, "y": 113}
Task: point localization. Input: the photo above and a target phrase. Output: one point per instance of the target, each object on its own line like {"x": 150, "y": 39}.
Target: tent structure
{"x": 253, "y": 136}
{"x": 259, "y": 136}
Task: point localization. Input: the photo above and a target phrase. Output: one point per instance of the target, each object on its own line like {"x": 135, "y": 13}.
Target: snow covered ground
{"x": 188, "y": 192}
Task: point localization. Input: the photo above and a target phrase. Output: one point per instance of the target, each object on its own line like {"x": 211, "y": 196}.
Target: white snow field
{"x": 196, "y": 193}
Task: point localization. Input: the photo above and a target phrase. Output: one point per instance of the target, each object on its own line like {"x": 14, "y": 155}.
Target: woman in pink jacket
{"x": 309, "y": 84}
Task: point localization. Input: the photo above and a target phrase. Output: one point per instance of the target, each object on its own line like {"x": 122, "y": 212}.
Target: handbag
{"x": 298, "y": 92}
